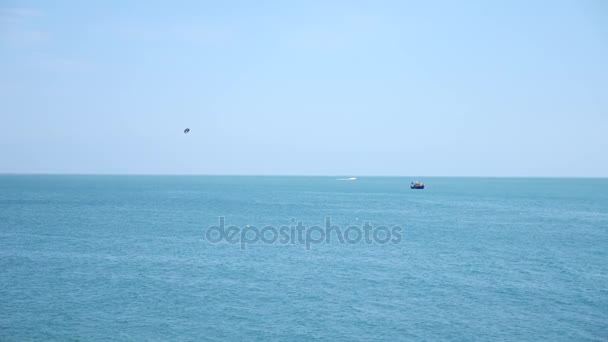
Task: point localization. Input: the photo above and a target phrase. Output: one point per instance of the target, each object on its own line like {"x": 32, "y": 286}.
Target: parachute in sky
{"x": 186, "y": 130}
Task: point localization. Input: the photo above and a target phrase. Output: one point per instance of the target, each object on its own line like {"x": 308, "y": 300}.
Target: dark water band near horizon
{"x": 101, "y": 258}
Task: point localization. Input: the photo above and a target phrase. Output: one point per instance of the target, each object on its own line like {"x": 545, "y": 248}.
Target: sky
{"x": 352, "y": 88}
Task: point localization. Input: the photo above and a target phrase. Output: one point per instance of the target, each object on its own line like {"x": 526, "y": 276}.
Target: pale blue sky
{"x": 456, "y": 88}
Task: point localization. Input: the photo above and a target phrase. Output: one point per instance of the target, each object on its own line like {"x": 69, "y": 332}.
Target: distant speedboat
{"x": 416, "y": 185}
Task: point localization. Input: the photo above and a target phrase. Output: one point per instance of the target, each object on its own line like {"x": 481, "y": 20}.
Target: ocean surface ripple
{"x": 101, "y": 258}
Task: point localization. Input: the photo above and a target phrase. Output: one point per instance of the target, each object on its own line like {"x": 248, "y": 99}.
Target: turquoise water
{"x": 126, "y": 258}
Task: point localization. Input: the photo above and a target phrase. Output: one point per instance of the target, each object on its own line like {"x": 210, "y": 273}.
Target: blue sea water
{"x": 98, "y": 258}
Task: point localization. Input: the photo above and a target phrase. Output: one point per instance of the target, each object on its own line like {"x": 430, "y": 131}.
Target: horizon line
{"x": 276, "y": 175}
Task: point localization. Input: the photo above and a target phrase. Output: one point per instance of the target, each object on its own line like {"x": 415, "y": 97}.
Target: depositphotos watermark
{"x": 298, "y": 233}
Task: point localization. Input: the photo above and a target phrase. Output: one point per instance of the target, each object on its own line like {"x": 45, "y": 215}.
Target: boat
{"x": 416, "y": 185}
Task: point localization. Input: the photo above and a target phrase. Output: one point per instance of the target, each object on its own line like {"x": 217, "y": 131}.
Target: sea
{"x": 149, "y": 258}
